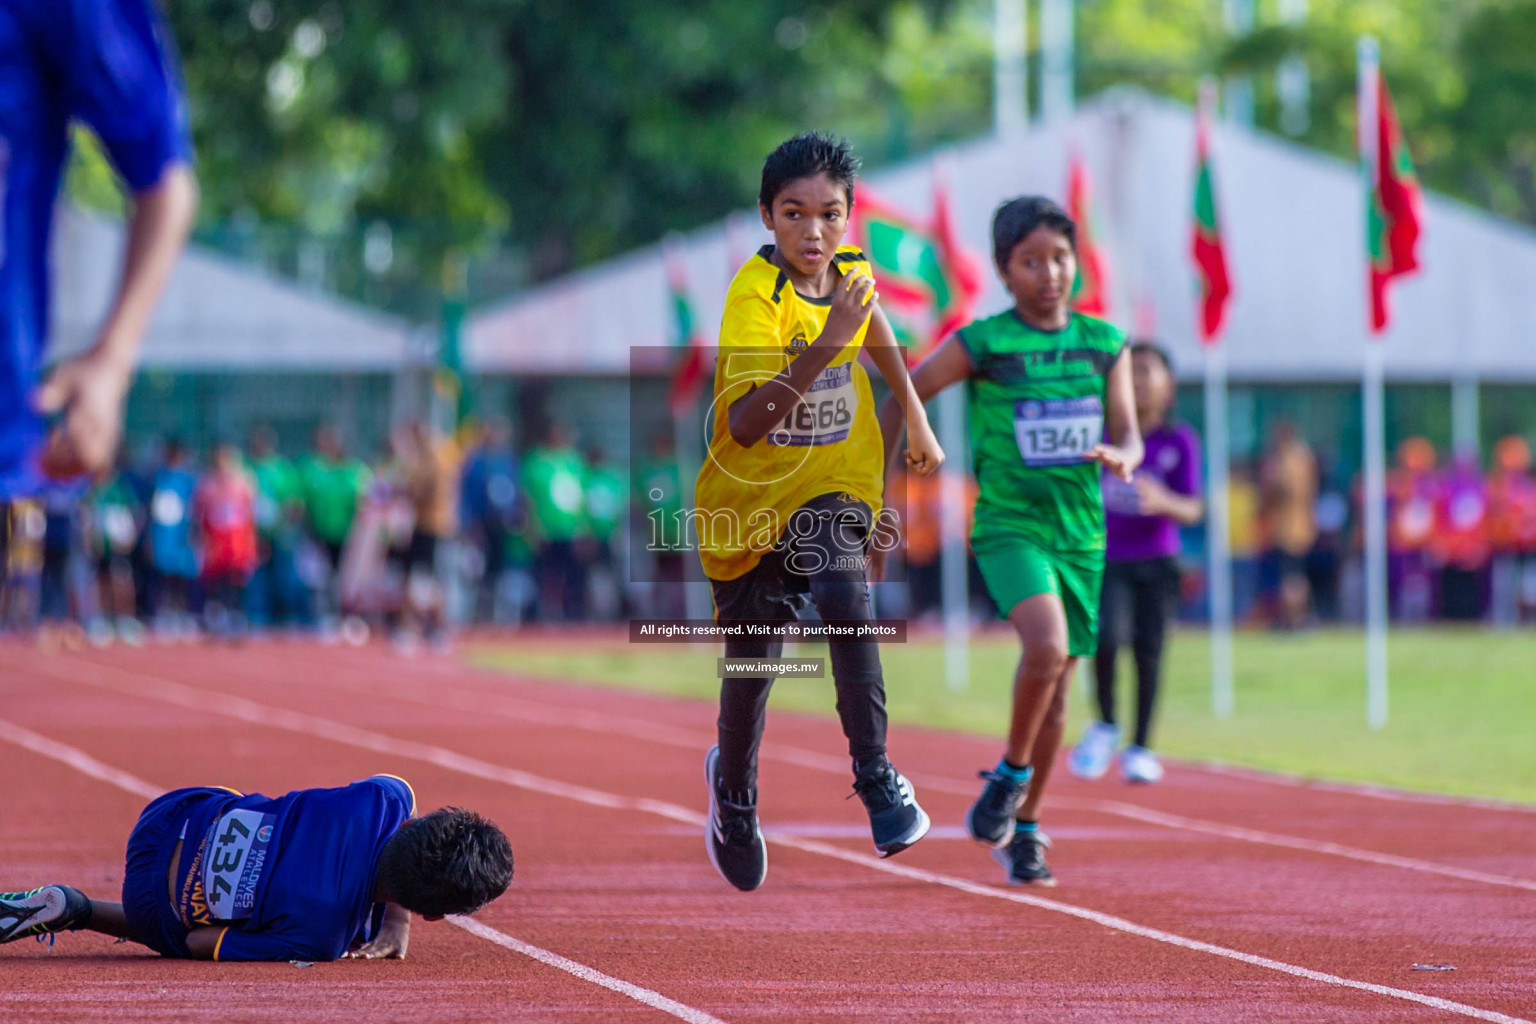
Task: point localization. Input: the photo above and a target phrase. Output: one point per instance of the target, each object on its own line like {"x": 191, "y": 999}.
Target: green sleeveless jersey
{"x": 1036, "y": 406}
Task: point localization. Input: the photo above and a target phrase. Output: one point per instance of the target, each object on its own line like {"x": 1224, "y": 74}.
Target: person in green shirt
{"x": 553, "y": 475}
{"x": 606, "y": 495}
{"x": 659, "y": 495}
{"x": 119, "y": 517}
{"x": 277, "y": 592}
{"x": 332, "y": 484}
{"x": 1046, "y": 386}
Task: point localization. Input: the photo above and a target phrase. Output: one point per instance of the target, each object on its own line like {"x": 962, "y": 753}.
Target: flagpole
{"x": 1056, "y": 58}
{"x": 1218, "y": 536}
{"x": 1374, "y": 414}
{"x": 1010, "y": 78}
{"x": 953, "y": 560}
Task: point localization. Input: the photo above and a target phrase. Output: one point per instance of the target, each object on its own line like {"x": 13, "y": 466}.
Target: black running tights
{"x": 1143, "y": 596}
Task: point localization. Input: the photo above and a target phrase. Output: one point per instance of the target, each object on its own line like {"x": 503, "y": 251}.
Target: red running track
{"x": 1215, "y": 896}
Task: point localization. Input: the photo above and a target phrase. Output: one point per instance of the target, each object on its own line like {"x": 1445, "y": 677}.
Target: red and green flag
{"x": 1090, "y": 292}
{"x": 1394, "y": 209}
{"x": 690, "y": 364}
{"x": 928, "y": 283}
{"x": 1209, "y": 253}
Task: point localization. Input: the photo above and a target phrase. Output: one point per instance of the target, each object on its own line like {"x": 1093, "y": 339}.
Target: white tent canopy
{"x": 216, "y": 314}
{"x": 1292, "y": 219}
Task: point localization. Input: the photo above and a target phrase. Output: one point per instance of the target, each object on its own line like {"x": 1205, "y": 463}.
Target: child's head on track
{"x": 805, "y": 199}
{"x": 451, "y": 861}
{"x": 1034, "y": 244}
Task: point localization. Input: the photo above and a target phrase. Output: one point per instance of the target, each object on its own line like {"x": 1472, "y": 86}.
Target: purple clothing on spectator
{"x": 1173, "y": 459}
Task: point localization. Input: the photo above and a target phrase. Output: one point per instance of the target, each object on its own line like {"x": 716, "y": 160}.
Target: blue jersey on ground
{"x": 291, "y": 878}
{"x": 106, "y": 64}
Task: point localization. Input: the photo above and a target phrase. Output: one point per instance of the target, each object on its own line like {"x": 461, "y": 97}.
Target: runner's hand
{"x": 876, "y": 571}
{"x": 924, "y": 456}
{"x": 1112, "y": 459}
{"x": 390, "y": 945}
{"x": 1151, "y": 496}
{"x": 89, "y": 391}
{"x": 852, "y": 303}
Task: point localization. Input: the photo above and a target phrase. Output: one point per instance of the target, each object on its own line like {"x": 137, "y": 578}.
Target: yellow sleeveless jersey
{"x": 829, "y": 443}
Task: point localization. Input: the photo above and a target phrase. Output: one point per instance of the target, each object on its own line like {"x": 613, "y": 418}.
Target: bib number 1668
{"x": 823, "y": 415}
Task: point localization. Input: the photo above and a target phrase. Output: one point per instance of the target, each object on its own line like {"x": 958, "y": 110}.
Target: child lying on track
{"x": 319, "y": 874}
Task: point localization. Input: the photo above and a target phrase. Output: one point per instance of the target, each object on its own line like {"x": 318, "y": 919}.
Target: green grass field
{"x": 1463, "y": 717}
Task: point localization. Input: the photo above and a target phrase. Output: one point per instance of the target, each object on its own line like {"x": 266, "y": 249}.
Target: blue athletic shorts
{"x": 146, "y": 903}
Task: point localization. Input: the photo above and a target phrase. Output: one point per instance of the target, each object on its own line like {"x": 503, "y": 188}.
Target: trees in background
{"x": 541, "y": 135}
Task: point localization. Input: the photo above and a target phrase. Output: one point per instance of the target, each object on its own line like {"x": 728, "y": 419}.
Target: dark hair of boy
{"x": 804, "y": 156}
{"x": 1016, "y": 219}
{"x": 1148, "y": 347}
{"x": 451, "y": 861}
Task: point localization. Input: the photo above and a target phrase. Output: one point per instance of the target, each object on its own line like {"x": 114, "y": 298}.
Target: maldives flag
{"x": 1206, "y": 247}
{"x": 1394, "y": 209}
{"x": 688, "y": 370}
{"x": 1090, "y": 292}
{"x": 928, "y": 283}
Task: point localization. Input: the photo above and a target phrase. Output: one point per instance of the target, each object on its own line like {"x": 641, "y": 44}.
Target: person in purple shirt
{"x": 105, "y": 64}
{"x": 1141, "y": 569}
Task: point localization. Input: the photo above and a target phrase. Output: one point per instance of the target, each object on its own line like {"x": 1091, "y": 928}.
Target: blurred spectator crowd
{"x": 1461, "y": 538}
{"x": 437, "y": 530}
{"x": 432, "y": 530}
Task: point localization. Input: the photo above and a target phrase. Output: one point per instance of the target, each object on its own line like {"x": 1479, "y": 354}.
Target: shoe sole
{"x": 917, "y": 832}
{"x": 710, "y": 759}
{"x": 970, "y": 829}
{"x": 48, "y": 905}
{"x": 1089, "y": 776}
{"x": 1002, "y": 858}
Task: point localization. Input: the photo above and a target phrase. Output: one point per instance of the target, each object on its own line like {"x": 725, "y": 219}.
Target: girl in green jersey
{"x": 1050, "y": 401}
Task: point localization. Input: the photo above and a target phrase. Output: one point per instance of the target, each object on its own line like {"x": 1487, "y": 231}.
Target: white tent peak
{"x": 217, "y": 313}
{"x": 1292, "y": 220}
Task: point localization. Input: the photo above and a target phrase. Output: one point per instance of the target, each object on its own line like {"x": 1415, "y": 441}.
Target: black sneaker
{"x": 53, "y": 908}
{"x": 895, "y": 819}
{"x": 731, "y": 836}
{"x": 990, "y": 819}
{"x": 1024, "y": 859}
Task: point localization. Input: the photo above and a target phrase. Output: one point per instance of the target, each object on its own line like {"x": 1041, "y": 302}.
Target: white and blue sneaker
{"x": 732, "y": 836}
{"x": 1140, "y": 765}
{"x": 896, "y": 821}
{"x": 1092, "y": 756}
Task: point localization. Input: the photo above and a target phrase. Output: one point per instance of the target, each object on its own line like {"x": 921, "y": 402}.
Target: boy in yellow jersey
{"x": 1046, "y": 387}
{"x": 789, "y": 495}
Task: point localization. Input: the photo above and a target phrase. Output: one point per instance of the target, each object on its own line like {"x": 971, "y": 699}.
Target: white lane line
{"x": 655, "y": 1000}
{"x": 1155, "y": 934}
{"x": 78, "y": 760}
{"x": 1309, "y": 845}
{"x": 520, "y": 709}
{"x": 1273, "y": 776}
{"x": 1276, "y": 777}
{"x": 83, "y": 762}
{"x": 156, "y": 688}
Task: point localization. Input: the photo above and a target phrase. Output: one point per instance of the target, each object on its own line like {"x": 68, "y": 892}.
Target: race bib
{"x": 237, "y": 853}
{"x": 1057, "y": 431}
{"x": 825, "y": 415}
{"x": 167, "y": 508}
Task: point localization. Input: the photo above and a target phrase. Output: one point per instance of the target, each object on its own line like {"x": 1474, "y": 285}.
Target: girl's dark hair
{"x": 451, "y": 861}
{"x": 803, "y": 156}
{"x": 1146, "y": 346}
{"x": 1015, "y": 219}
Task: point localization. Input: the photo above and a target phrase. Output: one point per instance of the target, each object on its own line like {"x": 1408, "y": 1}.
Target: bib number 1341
{"x": 1057, "y": 431}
